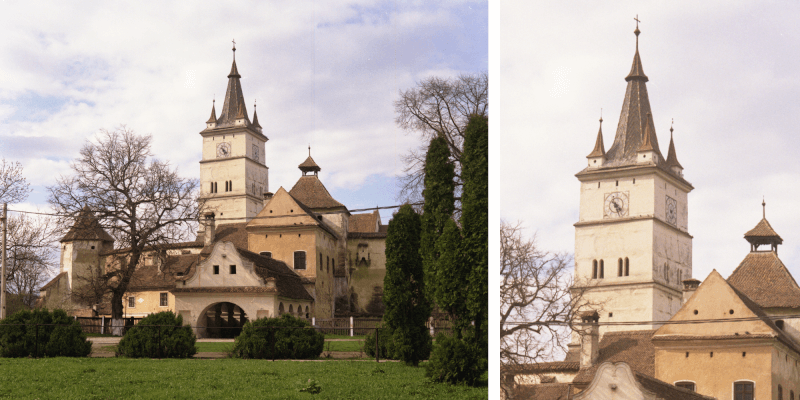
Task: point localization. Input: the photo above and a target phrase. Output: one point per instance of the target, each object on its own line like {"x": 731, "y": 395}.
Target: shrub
{"x": 385, "y": 344}
{"x": 454, "y": 361}
{"x": 160, "y": 335}
{"x": 59, "y": 336}
{"x": 290, "y": 337}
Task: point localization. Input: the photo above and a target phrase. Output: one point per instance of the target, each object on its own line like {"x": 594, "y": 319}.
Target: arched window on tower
{"x": 619, "y": 267}
{"x": 601, "y": 269}
{"x": 594, "y": 269}
{"x": 627, "y": 267}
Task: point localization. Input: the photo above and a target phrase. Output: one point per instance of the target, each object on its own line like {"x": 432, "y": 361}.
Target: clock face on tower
{"x": 616, "y": 205}
{"x": 255, "y": 152}
{"x": 672, "y": 211}
{"x": 224, "y": 149}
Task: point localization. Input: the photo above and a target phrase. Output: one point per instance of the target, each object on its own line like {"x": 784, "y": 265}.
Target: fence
{"x": 102, "y": 325}
{"x": 346, "y": 326}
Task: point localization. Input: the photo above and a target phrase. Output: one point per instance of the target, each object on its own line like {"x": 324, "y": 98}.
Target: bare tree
{"x": 31, "y": 257}
{"x": 13, "y": 186}
{"x": 139, "y": 201}
{"x": 538, "y": 304}
{"x": 439, "y": 107}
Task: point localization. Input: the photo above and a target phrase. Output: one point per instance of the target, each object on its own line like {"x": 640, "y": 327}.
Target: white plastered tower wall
{"x": 633, "y": 220}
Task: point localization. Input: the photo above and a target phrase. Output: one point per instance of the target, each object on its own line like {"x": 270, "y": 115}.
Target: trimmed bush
{"x": 160, "y": 335}
{"x": 290, "y": 337}
{"x": 58, "y": 336}
{"x": 454, "y": 361}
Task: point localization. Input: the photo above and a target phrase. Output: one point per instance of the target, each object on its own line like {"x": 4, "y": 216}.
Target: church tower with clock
{"x": 233, "y": 172}
{"x": 632, "y": 244}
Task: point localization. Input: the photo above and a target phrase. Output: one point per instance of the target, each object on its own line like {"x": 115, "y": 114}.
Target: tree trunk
{"x": 117, "y": 322}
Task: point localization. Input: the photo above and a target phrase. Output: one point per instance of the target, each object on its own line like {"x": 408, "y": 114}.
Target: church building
{"x": 257, "y": 254}
{"x": 647, "y": 329}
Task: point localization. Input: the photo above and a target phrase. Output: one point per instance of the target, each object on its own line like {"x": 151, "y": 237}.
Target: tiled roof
{"x": 309, "y": 165}
{"x": 764, "y": 279}
{"x": 86, "y": 228}
{"x": 763, "y": 230}
{"x": 310, "y": 191}
{"x": 544, "y": 391}
{"x": 599, "y": 149}
{"x": 366, "y": 223}
{"x": 53, "y": 281}
{"x": 555, "y": 366}
{"x": 666, "y": 391}
{"x": 149, "y": 277}
{"x": 234, "y": 233}
{"x": 225, "y": 289}
{"x": 233, "y": 106}
{"x": 289, "y": 283}
{"x": 632, "y": 347}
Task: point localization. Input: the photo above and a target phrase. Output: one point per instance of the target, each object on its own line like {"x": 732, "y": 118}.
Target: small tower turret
{"x": 763, "y": 234}
{"x": 598, "y": 156}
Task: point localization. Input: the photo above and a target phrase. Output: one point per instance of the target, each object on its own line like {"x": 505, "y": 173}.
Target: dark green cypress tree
{"x": 475, "y": 223}
{"x": 407, "y": 308}
{"x": 437, "y": 209}
{"x": 452, "y": 278}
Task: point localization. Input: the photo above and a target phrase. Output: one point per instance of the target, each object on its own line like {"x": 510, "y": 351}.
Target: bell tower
{"x": 233, "y": 171}
{"x": 632, "y": 244}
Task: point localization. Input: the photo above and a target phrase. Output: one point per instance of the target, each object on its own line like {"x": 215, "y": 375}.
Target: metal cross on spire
{"x": 637, "y": 31}
{"x": 234, "y": 48}
{"x": 309, "y": 150}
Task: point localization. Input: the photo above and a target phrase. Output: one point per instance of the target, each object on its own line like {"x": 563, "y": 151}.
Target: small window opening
{"x": 162, "y": 301}
{"x": 744, "y": 354}
{"x": 598, "y": 185}
{"x": 695, "y": 312}
{"x": 233, "y": 270}
{"x": 601, "y": 269}
{"x": 779, "y": 324}
{"x": 619, "y": 267}
{"x": 617, "y": 183}
{"x": 594, "y": 269}
{"x": 730, "y": 312}
{"x": 634, "y": 181}
{"x": 712, "y": 354}
{"x": 216, "y": 270}
{"x": 92, "y": 247}
{"x": 627, "y": 267}
{"x": 611, "y": 314}
{"x": 131, "y": 302}
{"x": 687, "y": 354}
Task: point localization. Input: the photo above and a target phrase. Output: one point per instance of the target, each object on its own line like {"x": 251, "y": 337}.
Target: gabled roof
{"x": 289, "y": 283}
{"x": 632, "y": 347}
{"x": 766, "y": 280}
{"x": 365, "y": 223}
{"x": 86, "y": 227}
{"x": 53, "y": 281}
{"x": 284, "y": 210}
{"x": 310, "y": 191}
{"x": 162, "y": 277}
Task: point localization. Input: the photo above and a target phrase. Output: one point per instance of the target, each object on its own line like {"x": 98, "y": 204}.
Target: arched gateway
{"x": 221, "y": 320}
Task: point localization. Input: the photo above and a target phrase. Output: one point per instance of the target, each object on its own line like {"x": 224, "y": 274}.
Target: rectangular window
{"x": 266, "y": 254}
{"x": 328, "y": 263}
{"x": 216, "y": 270}
{"x": 162, "y": 301}
{"x": 131, "y": 302}
{"x": 299, "y": 260}
{"x": 686, "y": 385}
{"x": 743, "y": 391}
{"x": 233, "y": 270}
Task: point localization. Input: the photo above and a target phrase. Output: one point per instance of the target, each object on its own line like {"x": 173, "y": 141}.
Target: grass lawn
{"x": 114, "y": 378}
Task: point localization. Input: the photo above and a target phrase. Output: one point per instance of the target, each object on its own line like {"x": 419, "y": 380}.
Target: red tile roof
{"x": 764, "y": 279}
{"x": 310, "y": 191}
{"x": 86, "y": 227}
{"x": 632, "y": 347}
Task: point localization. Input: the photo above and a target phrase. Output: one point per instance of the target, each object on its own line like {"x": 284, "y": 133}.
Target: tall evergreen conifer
{"x": 407, "y": 308}
{"x": 437, "y": 209}
{"x": 452, "y": 278}
{"x": 475, "y": 222}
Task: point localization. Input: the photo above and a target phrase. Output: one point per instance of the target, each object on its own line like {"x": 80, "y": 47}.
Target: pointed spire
{"x": 672, "y": 159}
{"x": 255, "y": 116}
{"x": 637, "y": 72}
{"x": 599, "y": 149}
{"x": 213, "y": 117}
{"x": 647, "y": 138}
{"x": 233, "y": 108}
{"x": 635, "y": 130}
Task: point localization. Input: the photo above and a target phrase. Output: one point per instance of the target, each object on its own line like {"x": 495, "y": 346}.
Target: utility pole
{"x": 3, "y": 269}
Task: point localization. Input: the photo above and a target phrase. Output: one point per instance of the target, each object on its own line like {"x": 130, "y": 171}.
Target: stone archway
{"x": 221, "y": 320}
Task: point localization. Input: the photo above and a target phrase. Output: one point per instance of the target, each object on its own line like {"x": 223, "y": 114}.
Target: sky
{"x": 726, "y": 72}
{"x": 323, "y": 74}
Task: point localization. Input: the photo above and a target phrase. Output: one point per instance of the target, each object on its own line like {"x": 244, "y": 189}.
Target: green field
{"x": 117, "y": 378}
{"x": 205, "y": 347}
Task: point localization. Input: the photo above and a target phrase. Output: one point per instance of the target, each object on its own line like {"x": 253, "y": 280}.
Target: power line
{"x": 668, "y": 322}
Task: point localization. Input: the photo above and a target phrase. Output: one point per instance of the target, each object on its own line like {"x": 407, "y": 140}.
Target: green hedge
{"x": 454, "y": 360}
{"x": 160, "y": 335}
{"x": 291, "y": 338}
{"x": 58, "y": 336}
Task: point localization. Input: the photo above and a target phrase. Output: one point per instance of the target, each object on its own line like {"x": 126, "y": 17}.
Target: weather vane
{"x": 234, "y": 49}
